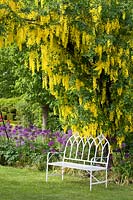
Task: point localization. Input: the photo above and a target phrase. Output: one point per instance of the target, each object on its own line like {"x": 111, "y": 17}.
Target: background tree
{"x": 17, "y": 81}
{"x": 39, "y": 99}
{"x": 7, "y": 72}
{"x": 86, "y": 58}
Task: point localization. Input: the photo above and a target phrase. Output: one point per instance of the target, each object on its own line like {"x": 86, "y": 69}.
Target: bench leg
{"x": 90, "y": 180}
{"x": 62, "y": 173}
{"x": 106, "y": 179}
{"x": 47, "y": 172}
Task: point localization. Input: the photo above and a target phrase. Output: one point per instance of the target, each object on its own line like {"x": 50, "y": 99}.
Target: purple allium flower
{"x": 123, "y": 145}
{"x": 32, "y": 138}
{"x": 44, "y": 133}
{"x": 57, "y": 134}
{"x": 127, "y": 155}
{"x": 51, "y": 143}
{"x": 20, "y": 127}
{"x": 52, "y": 150}
{"x": 14, "y": 131}
{"x": 3, "y": 128}
{"x": 2, "y": 134}
{"x": 60, "y": 140}
{"x": 22, "y": 143}
{"x": 69, "y": 132}
{"x": 118, "y": 150}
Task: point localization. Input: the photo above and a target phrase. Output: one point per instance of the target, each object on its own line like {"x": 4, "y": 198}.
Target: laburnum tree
{"x": 84, "y": 49}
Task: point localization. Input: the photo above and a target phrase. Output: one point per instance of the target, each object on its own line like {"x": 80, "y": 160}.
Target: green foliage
{"x": 122, "y": 166}
{"x": 8, "y": 77}
{"x": 22, "y": 156}
{"x": 8, "y": 153}
{"x": 8, "y": 104}
{"x": 8, "y": 108}
{"x": 56, "y": 125}
{"x": 17, "y": 80}
{"x": 122, "y": 170}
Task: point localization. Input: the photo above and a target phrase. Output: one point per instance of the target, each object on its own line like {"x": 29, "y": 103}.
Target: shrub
{"x": 122, "y": 167}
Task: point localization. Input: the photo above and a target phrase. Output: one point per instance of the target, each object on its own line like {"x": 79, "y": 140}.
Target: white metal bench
{"x": 83, "y": 153}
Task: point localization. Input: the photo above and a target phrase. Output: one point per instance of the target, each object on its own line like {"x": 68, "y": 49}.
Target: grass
{"x": 25, "y": 184}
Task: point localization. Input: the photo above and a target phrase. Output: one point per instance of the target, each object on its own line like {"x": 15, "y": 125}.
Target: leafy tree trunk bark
{"x": 45, "y": 109}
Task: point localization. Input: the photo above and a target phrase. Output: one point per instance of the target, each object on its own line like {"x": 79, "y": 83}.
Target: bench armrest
{"x": 97, "y": 160}
{"x": 52, "y": 154}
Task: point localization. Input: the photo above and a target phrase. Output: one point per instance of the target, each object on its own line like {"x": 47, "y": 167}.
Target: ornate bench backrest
{"x": 87, "y": 149}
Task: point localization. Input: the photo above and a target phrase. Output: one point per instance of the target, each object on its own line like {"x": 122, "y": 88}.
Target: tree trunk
{"x": 45, "y": 109}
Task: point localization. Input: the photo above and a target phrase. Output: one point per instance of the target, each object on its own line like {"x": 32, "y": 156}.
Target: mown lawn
{"x": 25, "y": 184}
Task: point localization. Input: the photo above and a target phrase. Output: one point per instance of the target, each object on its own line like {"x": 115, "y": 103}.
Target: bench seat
{"x": 77, "y": 166}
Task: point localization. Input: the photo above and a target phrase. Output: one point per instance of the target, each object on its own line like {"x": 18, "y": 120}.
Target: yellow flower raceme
{"x": 77, "y": 38}
{"x": 94, "y": 82}
{"x": 126, "y": 128}
{"x": 92, "y": 107}
{"x": 112, "y": 60}
{"x": 32, "y": 61}
{"x": 45, "y": 82}
{"x": 90, "y": 129}
{"x": 99, "y": 50}
{"x": 78, "y": 84}
{"x": 80, "y": 100}
{"x": 75, "y": 129}
{"x": 119, "y": 91}
{"x": 111, "y": 115}
{"x": 120, "y": 140}
{"x": 118, "y": 113}
{"x": 84, "y": 38}
{"x": 103, "y": 96}
{"x": 123, "y": 15}
{"x": 3, "y": 12}
{"x": 65, "y": 82}
{"x": 1, "y": 42}
{"x": 65, "y": 112}
{"x": 42, "y": 3}
{"x": 129, "y": 118}
{"x": 108, "y": 27}
{"x": 99, "y": 66}
{"x": 12, "y": 5}
{"x": 57, "y": 30}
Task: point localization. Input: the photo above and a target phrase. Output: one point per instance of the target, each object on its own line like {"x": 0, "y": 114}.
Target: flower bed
{"x": 21, "y": 146}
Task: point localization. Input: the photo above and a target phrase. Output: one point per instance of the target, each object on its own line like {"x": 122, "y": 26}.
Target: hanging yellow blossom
{"x": 80, "y": 100}
{"x": 94, "y": 82}
{"x": 111, "y": 116}
{"x": 32, "y": 61}
{"x": 99, "y": 51}
{"x": 120, "y": 140}
{"x": 119, "y": 91}
{"x": 108, "y": 27}
{"x": 1, "y": 42}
